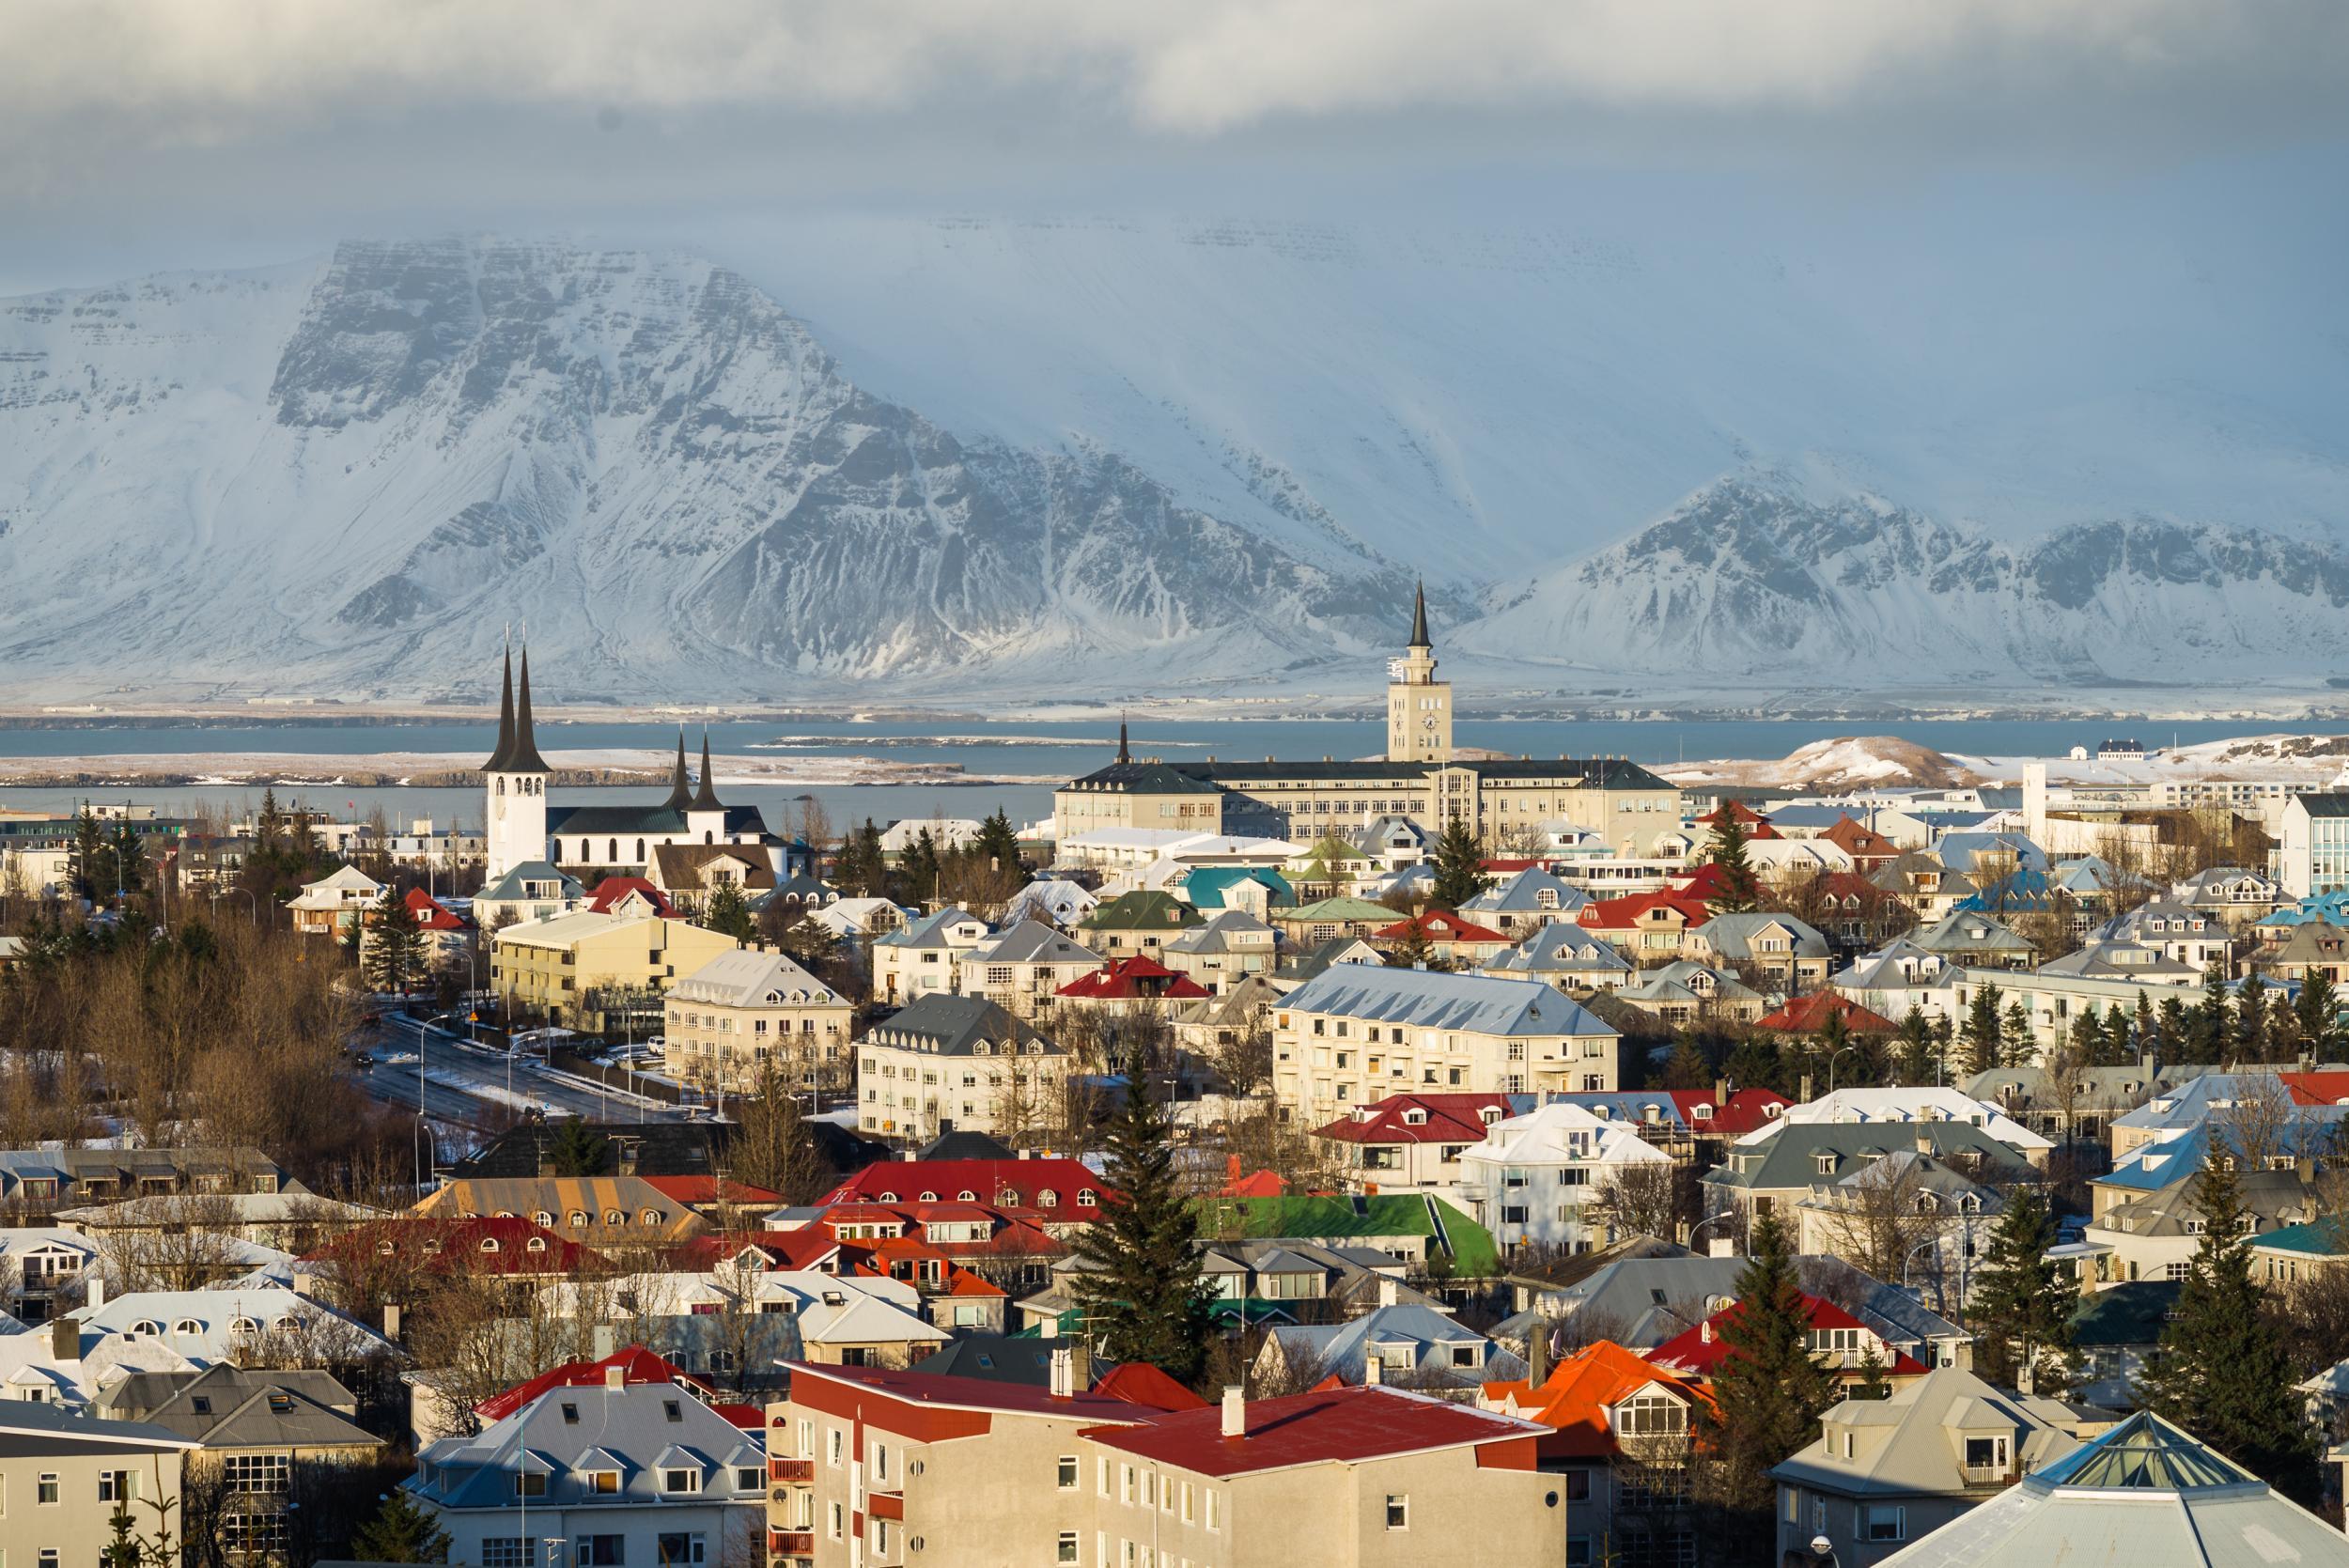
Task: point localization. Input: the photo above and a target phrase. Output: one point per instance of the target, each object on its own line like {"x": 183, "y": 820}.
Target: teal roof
{"x": 2145, "y": 1454}
{"x": 2130, "y": 1313}
{"x": 1207, "y": 885}
{"x": 2320, "y": 1239}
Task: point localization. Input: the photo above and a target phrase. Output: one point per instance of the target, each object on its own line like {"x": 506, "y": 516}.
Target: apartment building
{"x": 957, "y": 1064}
{"x": 886, "y": 1467}
{"x": 925, "y": 956}
{"x": 1358, "y": 1033}
{"x": 62, "y": 1476}
{"x": 590, "y": 971}
{"x": 728, "y": 1018}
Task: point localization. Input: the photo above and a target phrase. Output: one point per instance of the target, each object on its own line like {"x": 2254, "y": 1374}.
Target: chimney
{"x": 1924, "y": 1144}
{"x": 65, "y": 1339}
{"x": 1721, "y": 1091}
{"x": 1374, "y": 1371}
{"x": 1804, "y": 1096}
{"x": 1063, "y": 1373}
{"x": 1080, "y": 1364}
{"x": 391, "y": 1321}
{"x": 1537, "y": 1353}
{"x": 615, "y": 1377}
{"x": 1235, "y": 1411}
{"x": 604, "y": 1342}
{"x": 1050, "y": 1328}
{"x": 94, "y": 1295}
{"x": 1386, "y": 1290}
{"x": 1721, "y": 1246}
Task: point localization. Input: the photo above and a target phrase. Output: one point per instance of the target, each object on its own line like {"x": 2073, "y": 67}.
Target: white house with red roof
{"x": 1050, "y": 1192}
{"x": 1534, "y": 1178}
{"x": 1462, "y": 943}
{"x": 1837, "y": 1339}
{"x": 1130, "y": 982}
{"x": 1413, "y": 1142}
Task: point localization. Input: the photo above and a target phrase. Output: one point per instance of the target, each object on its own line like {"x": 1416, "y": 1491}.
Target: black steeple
{"x": 1122, "y": 754}
{"x": 680, "y": 793}
{"x": 1419, "y": 618}
{"x": 524, "y": 757}
{"x": 506, "y": 719}
{"x": 706, "y": 797}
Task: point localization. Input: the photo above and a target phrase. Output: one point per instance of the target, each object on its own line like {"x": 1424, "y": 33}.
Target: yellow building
{"x": 585, "y": 971}
{"x": 724, "y": 1021}
{"x": 1419, "y": 707}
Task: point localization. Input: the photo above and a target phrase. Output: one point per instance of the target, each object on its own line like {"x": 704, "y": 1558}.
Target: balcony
{"x": 790, "y": 1542}
{"x": 801, "y": 1470}
{"x": 1987, "y": 1475}
{"x": 886, "y": 1505}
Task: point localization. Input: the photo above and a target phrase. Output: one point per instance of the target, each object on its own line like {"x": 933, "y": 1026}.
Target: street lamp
{"x": 1831, "y": 1066}
{"x": 1709, "y": 1220}
{"x": 252, "y": 905}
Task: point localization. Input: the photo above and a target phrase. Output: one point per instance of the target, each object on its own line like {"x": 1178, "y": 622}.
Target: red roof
{"x": 1453, "y": 1118}
{"x": 1508, "y": 865}
{"x": 1140, "y": 1383}
{"x": 1578, "y": 1396}
{"x": 439, "y": 1244}
{"x": 2317, "y": 1088}
{"x": 429, "y": 914}
{"x": 1130, "y": 978}
{"x": 944, "y": 1391}
{"x": 611, "y": 890}
{"x": 1703, "y": 883}
{"x": 1859, "y": 841}
{"x": 1622, "y": 914}
{"x": 636, "y": 1364}
{"x": 1808, "y": 1015}
{"x": 1001, "y": 1184}
{"x": 710, "y": 1189}
{"x": 1699, "y": 1352}
{"x": 1439, "y": 926}
{"x": 809, "y": 1247}
{"x": 1755, "y": 824}
{"x": 1341, "y": 1426}
{"x": 1741, "y": 1113}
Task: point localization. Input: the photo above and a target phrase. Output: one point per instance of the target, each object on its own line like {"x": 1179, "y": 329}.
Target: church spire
{"x": 1419, "y": 618}
{"x": 524, "y": 757}
{"x": 506, "y": 719}
{"x": 680, "y": 793}
{"x": 706, "y": 797}
{"x": 1122, "y": 754}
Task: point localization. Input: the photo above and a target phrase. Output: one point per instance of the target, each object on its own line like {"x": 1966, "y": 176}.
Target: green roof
{"x": 1336, "y": 1220}
{"x": 2130, "y": 1313}
{"x": 2321, "y": 1238}
{"x": 1343, "y": 909}
{"x": 1134, "y": 911}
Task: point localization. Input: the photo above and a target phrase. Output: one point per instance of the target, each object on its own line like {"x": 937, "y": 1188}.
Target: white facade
{"x": 1535, "y": 1176}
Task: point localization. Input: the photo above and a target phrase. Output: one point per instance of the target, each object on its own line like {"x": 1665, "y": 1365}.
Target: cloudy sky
{"x": 139, "y": 136}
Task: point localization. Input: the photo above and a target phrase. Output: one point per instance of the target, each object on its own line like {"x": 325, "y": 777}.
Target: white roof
{"x": 1562, "y": 1133}
{"x": 1926, "y": 1104}
{"x": 748, "y": 978}
{"x": 567, "y": 929}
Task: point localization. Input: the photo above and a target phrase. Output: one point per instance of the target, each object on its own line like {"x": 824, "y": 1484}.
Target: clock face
{"x": 1428, "y": 722}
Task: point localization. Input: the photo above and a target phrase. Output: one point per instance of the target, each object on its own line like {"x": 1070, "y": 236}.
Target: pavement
{"x": 458, "y": 1082}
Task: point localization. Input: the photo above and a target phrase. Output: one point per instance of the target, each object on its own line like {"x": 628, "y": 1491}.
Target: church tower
{"x": 515, "y": 783}
{"x": 1419, "y": 707}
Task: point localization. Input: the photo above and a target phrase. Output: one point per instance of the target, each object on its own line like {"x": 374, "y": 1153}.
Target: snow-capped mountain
{"x": 897, "y": 458}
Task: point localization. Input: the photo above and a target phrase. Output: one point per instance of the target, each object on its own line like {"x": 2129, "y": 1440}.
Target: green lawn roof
{"x": 1340, "y": 1219}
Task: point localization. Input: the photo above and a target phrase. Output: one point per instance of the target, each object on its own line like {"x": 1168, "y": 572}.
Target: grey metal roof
{"x": 950, "y": 1025}
{"x": 1561, "y": 946}
{"x": 566, "y": 1433}
{"x": 1732, "y": 935}
{"x": 229, "y": 1406}
{"x": 1031, "y": 942}
{"x": 1923, "y": 1454}
{"x": 1790, "y": 1157}
{"x": 1432, "y": 998}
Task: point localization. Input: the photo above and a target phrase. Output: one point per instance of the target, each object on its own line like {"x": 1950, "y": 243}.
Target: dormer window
{"x": 1415, "y": 1118}
{"x": 1087, "y": 1198}
{"x": 187, "y": 1326}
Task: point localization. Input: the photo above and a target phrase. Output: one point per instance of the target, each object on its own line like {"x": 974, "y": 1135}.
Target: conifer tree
{"x": 2020, "y": 1047}
{"x": 2144, "y": 1030}
{"x": 1985, "y": 1034}
{"x": 2315, "y": 1010}
{"x": 2117, "y": 1047}
{"x": 2023, "y": 1303}
{"x": 1688, "y": 1067}
{"x": 1916, "y": 1049}
{"x": 1458, "y": 861}
{"x": 2250, "y": 1021}
{"x": 1142, "y": 1293}
{"x": 921, "y": 866}
{"x": 2174, "y": 1030}
{"x": 1871, "y": 1383}
{"x": 1754, "y": 1062}
{"x": 728, "y": 913}
{"x": 997, "y": 843}
{"x": 1769, "y": 1390}
{"x": 393, "y": 947}
{"x": 84, "y": 853}
{"x": 2222, "y": 1373}
{"x": 860, "y": 870}
{"x": 1414, "y": 951}
{"x": 2210, "y": 1025}
{"x": 577, "y": 1149}
{"x": 1739, "y": 888}
{"x": 400, "y": 1532}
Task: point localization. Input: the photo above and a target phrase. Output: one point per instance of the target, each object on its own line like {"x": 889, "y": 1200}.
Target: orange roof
{"x": 710, "y": 1189}
{"x": 1439, "y": 925}
{"x": 1616, "y": 913}
{"x": 964, "y": 1283}
{"x": 1140, "y": 1383}
{"x": 1576, "y": 1395}
{"x": 1754, "y": 823}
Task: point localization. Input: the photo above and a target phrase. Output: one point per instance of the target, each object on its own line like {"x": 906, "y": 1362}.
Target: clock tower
{"x": 515, "y": 783}
{"x": 1419, "y": 707}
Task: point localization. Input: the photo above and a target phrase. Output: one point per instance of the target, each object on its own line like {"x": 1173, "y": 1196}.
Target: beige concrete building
{"x": 866, "y": 1462}
{"x": 63, "y": 1475}
{"x": 728, "y": 1018}
{"x": 582, "y": 971}
{"x": 1358, "y": 1032}
{"x": 955, "y": 1064}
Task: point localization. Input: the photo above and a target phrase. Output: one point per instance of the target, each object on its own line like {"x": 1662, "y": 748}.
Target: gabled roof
{"x": 612, "y": 892}
{"x": 509, "y": 889}
{"x": 947, "y": 1023}
{"x": 1149, "y": 909}
{"x": 1808, "y": 1014}
{"x": 1632, "y": 910}
{"x": 747, "y": 977}
{"x": 1700, "y": 1351}
{"x": 1577, "y": 1399}
{"x": 430, "y": 915}
{"x": 1031, "y": 942}
{"x": 1433, "y": 999}
{"x": 1133, "y": 977}
{"x": 1440, "y": 925}
{"x": 1452, "y": 1118}
{"x": 1560, "y": 947}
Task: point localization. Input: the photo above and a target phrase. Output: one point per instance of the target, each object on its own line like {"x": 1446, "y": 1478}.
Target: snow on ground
{"x": 232, "y": 767}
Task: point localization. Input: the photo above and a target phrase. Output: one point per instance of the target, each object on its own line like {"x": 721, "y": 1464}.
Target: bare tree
{"x": 1646, "y": 1198}
{"x": 1882, "y": 1217}
{"x": 181, "y": 1242}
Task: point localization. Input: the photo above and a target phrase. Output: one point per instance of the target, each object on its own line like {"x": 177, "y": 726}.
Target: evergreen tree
{"x": 399, "y": 1532}
{"x": 82, "y": 857}
{"x": 1458, "y": 861}
{"x": 2210, "y": 1025}
{"x": 921, "y": 866}
{"x": 1688, "y": 1067}
{"x": 2315, "y": 1010}
{"x": 1916, "y": 1049}
{"x": 1754, "y": 1062}
{"x": 126, "y": 857}
{"x": 1871, "y": 1382}
{"x": 2087, "y": 1037}
{"x": 2020, "y": 1048}
{"x": 2023, "y": 1303}
{"x": 2174, "y": 1031}
{"x": 269, "y": 828}
{"x": 122, "y": 1551}
{"x": 860, "y": 870}
{"x": 1769, "y": 1390}
{"x": 728, "y": 913}
{"x": 2222, "y": 1373}
{"x": 1141, "y": 1293}
{"x": 1985, "y": 1038}
{"x": 2118, "y": 1050}
{"x": 577, "y": 1149}
{"x": 1740, "y": 889}
{"x": 2250, "y": 1021}
{"x": 2144, "y": 1030}
{"x": 997, "y": 845}
{"x": 392, "y": 951}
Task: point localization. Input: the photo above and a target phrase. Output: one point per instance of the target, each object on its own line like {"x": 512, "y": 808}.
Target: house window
{"x": 1065, "y": 1550}
{"x": 530, "y": 1483}
{"x": 678, "y": 1547}
{"x": 1066, "y": 1472}
{"x": 594, "y": 1551}
{"x": 1886, "y": 1522}
{"x": 680, "y": 1481}
{"x": 1398, "y": 1511}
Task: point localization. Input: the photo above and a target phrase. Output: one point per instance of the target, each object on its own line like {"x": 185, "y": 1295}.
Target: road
{"x": 466, "y": 1084}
